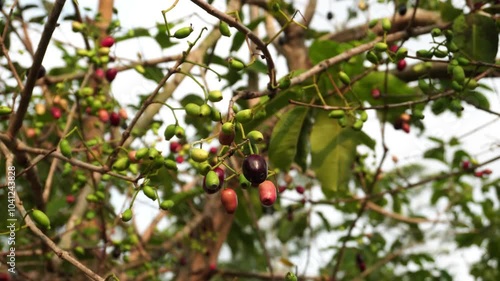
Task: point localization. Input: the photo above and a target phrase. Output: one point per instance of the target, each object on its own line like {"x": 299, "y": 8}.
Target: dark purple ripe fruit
{"x": 360, "y": 262}
{"x": 255, "y": 169}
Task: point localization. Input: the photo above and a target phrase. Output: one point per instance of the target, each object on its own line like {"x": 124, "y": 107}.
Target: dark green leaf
{"x": 285, "y": 137}
{"x": 477, "y": 36}
{"x": 436, "y": 153}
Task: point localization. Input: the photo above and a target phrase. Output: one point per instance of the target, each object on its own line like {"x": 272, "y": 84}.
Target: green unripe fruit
{"x": 372, "y": 23}
{"x": 336, "y": 113}
{"x": 215, "y": 115}
{"x": 244, "y": 116}
{"x": 463, "y": 61}
{"x": 401, "y": 53}
{"x": 358, "y": 125}
{"x": 452, "y": 47}
{"x": 236, "y": 64}
{"x": 141, "y": 153}
{"x": 372, "y": 57}
{"x": 417, "y": 113}
{"x": 424, "y": 54}
{"x": 121, "y": 164}
{"x": 290, "y": 277}
{"x": 169, "y": 132}
{"x": 344, "y": 78}
{"x": 183, "y": 32}
{"x": 440, "y": 53}
{"x": 199, "y": 155}
{"x": 205, "y": 110}
{"x": 100, "y": 195}
{"x": 224, "y": 29}
{"x": 451, "y": 65}
{"x": 65, "y": 148}
{"x": 456, "y": 105}
{"x": 127, "y": 215}
{"x": 149, "y": 192}
{"x": 193, "y": 109}
{"x": 212, "y": 180}
{"x": 5, "y": 110}
{"x": 459, "y": 74}
{"x": 77, "y": 26}
{"x": 215, "y": 96}
{"x": 255, "y": 136}
{"x": 380, "y": 47}
{"x": 167, "y": 205}
{"x": 448, "y": 34}
{"x": 41, "y": 219}
{"x": 342, "y": 121}
{"x": 244, "y": 183}
{"x": 435, "y": 32}
{"x": 456, "y": 86}
{"x": 204, "y": 168}
{"x": 363, "y": 116}
{"x": 92, "y": 198}
{"x": 228, "y": 128}
{"x": 179, "y": 132}
{"x": 170, "y": 164}
{"x": 424, "y": 86}
{"x": 386, "y": 25}
{"x": 153, "y": 153}
{"x": 284, "y": 83}
{"x": 471, "y": 84}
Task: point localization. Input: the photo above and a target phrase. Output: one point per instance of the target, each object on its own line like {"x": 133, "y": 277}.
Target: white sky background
{"x": 407, "y": 147}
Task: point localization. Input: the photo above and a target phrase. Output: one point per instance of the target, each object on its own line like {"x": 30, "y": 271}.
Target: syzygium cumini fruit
{"x": 255, "y": 169}
{"x": 255, "y": 136}
{"x": 244, "y": 116}
{"x": 224, "y": 29}
{"x": 211, "y": 182}
{"x": 215, "y": 96}
{"x": 41, "y": 219}
{"x": 199, "y": 155}
{"x": 183, "y": 32}
{"x": 150, "y": 192}
{"x": 169, "y": 132}
{"x": 121, "y": 164}
{"x": 167, "y": 205}
{"x": 229, "y": 200}
{"x": 126, "y": 215}
{"x": 65, "y": 148}
{"x": 267, "y": 193}
{"x": 141, "y": 153}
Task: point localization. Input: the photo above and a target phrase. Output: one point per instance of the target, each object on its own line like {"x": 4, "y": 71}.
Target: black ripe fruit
{"x": 329, "y": 15}
{"x": 402, "y": 9}
{"x": 255, "y": 169}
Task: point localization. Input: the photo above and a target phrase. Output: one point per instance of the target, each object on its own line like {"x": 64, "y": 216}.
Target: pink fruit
{"x": 56, "y": 112}
{"x": 107, "y": 41}
{"x": 479, "y": 174}
{"x": 465, "y": 165}
{"x": 405, "y": 127}
{"x": 131, "y": 156}
{"x": 114, "y": 119}
{"x": 179, "y": 159}
{"x": 375, "y": 93}
{"x": 111, "y": 74}
{"x": 393, "y": 48}
{"x": 487, "y": 171}
{"x": 267, "y": 193}
{"x": 281, "y": 188}
{"x": 123, "y": 113}
{"x": 212, "y": 267}
{"x": 401, "y": 65}
{"x": 103, "y": 115}
{"x": 70, "y": 199}
{"x": 175, "y": 147}
{"x": 229, "y": 200}
{"x": 99, "y": 74}
{"x": 30, "y": 133}
{"x": 213, "y": 150}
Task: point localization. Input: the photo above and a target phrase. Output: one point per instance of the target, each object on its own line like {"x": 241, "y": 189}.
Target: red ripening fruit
{"x": 4, "y": 276}
{"x": 478, "y": 174}
{"x": 221, "y": 174}
{"x": 99, "y": 74}
{"x": 405, "y": 127}
{"x": 114, "y": 119}
{"x": 465, "y": 165}
{"x": 123, "y": 113}
{"x": 487, "y": 171}
{"x": 70, "y": 199}
{"x": 360, "y": 262}
{"x": 226, "y": 139}
{"x": 213, "y": 150}
{"x": 111, "y": 74}
{"x": 229, "y": 200}
{"x": 375, "y": 93}
{"x": 107, "y": 41}
{"x": 175, "y": 147}
{"x": 182, "y": 261}
{"x": 179, "y": 159}
{"x": 56, "y": 112}
{"x": 267, "y": 193}
{"x": 103, "y": 115}
{"x": 212, "y": 267}
{"x": 300, "y": 189}
{"x": 393, "y": 48}
{"x": 401, "y": 65}
{"x": 281, "y": 188}
{"x": 131, "y": 156}
{"x": 30, "y": 133}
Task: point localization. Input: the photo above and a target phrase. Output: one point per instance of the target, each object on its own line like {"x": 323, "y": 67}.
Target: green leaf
{"x": 477, "y": 36}
{"x": 303, "y": 147}
{"x": 239, "y": 38}
{"x": 285, "y": 137}
{"x": 436, "y": 153}
{"x": 153, "y": 73}
{"x": 290, "y": 229}
{"x": 133, "y": 33}
{"x": 333, "y": 152}
{"x": 477, "y": 99}
{"x": 449, "y": 12}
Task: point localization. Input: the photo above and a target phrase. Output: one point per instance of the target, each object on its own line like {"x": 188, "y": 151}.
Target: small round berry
{"x": 401, "y": 65}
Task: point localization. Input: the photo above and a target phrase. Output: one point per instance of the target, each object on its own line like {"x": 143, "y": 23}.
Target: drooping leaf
{"x": 333, "y": 152}
{"x": 285, "y": 137}
{"x": 436, "y": 153}
{"x": 477, "y": 36}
